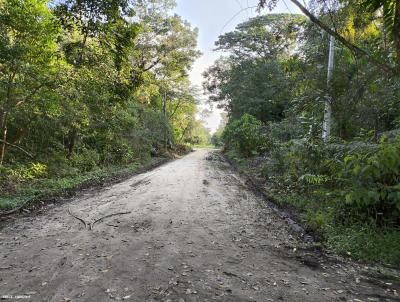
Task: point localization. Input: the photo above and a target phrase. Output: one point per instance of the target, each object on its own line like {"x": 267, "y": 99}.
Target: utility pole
{"x": 326, "y": 132}
{"x": 165, "y": 115}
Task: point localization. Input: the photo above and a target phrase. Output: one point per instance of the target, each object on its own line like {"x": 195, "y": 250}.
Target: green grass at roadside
{"x": 45, "y": 188}
{"x": 365, "y": 243}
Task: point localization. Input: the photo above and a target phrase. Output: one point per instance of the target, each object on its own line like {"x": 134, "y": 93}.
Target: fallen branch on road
{"x": 107, "y": 216}
{"x": 90, "y": 225}
{"x": 78, "y": 218}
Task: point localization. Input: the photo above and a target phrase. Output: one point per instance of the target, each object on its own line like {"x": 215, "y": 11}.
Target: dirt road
{"x": 187, "y": 231}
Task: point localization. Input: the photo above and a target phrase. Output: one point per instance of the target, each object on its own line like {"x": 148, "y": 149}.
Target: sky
{"x": 213, "y": 18}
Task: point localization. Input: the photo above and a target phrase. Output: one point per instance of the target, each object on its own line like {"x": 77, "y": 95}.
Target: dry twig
{"x": 107, "y": 216}
{"x": 78, "y": 218}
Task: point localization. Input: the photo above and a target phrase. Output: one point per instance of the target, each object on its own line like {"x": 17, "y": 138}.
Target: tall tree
{"x": 252, "y": 79}
{"x": 28, "y": 60}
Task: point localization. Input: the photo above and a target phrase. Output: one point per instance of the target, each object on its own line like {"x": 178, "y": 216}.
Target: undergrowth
{"x": 37, "y": 189}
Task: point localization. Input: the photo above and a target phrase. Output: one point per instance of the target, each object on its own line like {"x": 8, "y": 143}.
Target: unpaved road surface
{"x": 193, "y": 232}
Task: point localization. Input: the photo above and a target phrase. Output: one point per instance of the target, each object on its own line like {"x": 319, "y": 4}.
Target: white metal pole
{"x": 326, "y": 132}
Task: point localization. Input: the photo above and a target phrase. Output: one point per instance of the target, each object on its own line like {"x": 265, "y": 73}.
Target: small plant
{"x": 311, "y": 179}
{"x": 33, "y": 171}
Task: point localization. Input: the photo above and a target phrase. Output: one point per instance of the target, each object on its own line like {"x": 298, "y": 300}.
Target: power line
{"x": 234, "y": 16}
{"x": 287, "y": 7}
{"x": 239, "y": 3}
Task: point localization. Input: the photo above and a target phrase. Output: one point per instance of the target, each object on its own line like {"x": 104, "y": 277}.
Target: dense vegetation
{"x": 273, "y": 84}
{"x": 89, "y": 85}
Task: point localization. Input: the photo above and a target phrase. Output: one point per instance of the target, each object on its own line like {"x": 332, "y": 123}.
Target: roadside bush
{"x": 85, "y": 160}
{"x": 120, "y": 153}
{"x": 288, "y": 129}
{"x": 244, "y": 135}
{"x": 301, "y": 162}
{"x": 373, "y": 191}
{"x": 26, "y": 172}
{"x": 12, "y": 177}
{"x": 309, "y": 162}
{"x": 216, "y": 140}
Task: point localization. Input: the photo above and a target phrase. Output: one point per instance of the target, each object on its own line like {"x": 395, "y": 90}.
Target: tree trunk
{"x": 71, "y": 142}
{"x": 184, "y": 132}
{"x": 165, "y": 104}
{"x": 3, "y": 132}
{"x": 22, "y": 133}
{"x": 4, "y": 116}
{"x": 396, "y": 34}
